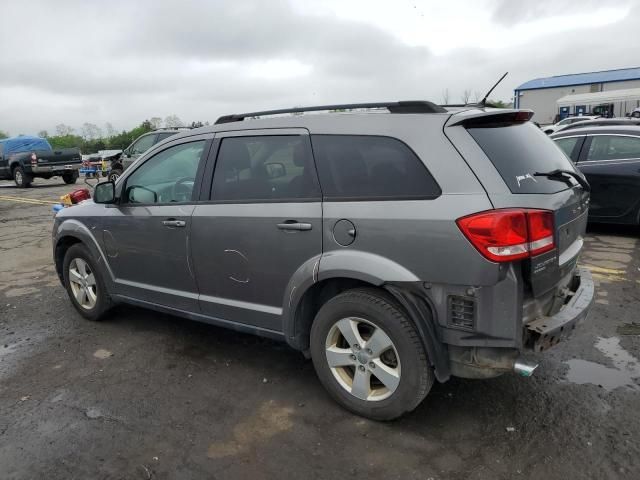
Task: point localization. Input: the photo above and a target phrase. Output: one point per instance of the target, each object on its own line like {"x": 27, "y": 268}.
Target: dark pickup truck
{"x": 24, "y": 158}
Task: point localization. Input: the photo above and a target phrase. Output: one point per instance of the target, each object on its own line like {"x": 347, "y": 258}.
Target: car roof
{"x": 620, "y": 129}
{"x": 357, "y": 122}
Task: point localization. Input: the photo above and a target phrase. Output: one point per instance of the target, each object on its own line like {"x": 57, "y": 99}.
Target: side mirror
{"x": 139, "y": 194}
{"x": 105, "y": 192}
{"x": 276, "y": 170}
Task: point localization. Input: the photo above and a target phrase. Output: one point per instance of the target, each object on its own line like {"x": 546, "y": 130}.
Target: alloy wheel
{"x": 363, "y": 359}
{"x": 83, "y": 283}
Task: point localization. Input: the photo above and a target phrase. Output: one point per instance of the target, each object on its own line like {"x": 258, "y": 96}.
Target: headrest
{"x": 236, "y": 151}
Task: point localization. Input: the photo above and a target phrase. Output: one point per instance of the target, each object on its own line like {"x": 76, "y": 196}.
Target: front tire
{"x": 22, "y": 179}
{"x": 369, "y": 356}
{"x": 114, "y": 174}
{"x": 84, "y": 283}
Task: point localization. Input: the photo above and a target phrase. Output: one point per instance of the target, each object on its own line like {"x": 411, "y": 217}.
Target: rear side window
{"x": 567, "y": 144}
{"x": 610, "y": 147}
{"x": 520, "y": 150}
{"x": 359, "y": 167}
{"x": 266, "y": 168}
{"x": 162, "y": 136}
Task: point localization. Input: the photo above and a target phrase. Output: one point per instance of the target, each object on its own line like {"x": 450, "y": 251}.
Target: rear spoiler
{"x": 477, "y": 118}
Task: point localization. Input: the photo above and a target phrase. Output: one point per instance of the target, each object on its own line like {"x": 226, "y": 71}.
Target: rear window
{"x": 362, "y": 167}
{"x": 520, "y": 150}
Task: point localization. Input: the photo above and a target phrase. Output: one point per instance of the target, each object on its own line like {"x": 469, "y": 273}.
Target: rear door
{"x": 517, "y": 150}
{"x": 611, "y": 164}
{"x": 261, "y": 224}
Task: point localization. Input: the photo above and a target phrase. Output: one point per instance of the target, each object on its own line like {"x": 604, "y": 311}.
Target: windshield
{"x": 519, "y": 151}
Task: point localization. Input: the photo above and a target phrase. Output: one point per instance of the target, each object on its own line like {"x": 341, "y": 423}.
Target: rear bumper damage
{"x": 545, "y": 332}
{"x": 539, "y": 335}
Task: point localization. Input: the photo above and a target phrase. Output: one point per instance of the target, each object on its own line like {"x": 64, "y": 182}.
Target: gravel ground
{"x": 145, "y": 395}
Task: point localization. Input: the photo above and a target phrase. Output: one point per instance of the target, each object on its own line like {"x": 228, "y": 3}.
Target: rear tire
{"x": 70, "y": 179}
{"x": 22, "y": 179}
{"x": 84, "y": 283}
{"x": 378, "y": 367}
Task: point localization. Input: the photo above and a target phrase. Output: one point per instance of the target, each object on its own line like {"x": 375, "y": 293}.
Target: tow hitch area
{"x": 546, "y": 332}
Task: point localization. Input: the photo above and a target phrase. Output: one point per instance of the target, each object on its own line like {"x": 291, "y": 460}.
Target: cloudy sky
{"x": 123, "y": 61}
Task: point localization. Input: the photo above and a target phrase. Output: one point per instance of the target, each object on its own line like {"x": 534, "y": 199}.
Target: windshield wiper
{"x": 564, "y": 175}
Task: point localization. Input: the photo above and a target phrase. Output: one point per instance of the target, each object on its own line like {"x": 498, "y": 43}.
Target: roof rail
{"x": 410, "y": 106}
{"x": 184, "y": 127}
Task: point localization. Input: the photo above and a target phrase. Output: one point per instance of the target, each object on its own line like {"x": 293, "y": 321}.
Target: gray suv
{"x": 395, "y": 243}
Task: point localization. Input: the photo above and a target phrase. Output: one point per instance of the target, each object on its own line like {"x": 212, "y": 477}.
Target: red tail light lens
{"x": 509, "y": 234}
{"x": 34, "y": 158}
{"x": 540, "y": 225}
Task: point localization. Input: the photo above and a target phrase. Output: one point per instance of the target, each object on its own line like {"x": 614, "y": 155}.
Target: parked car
{"x": 609, "y": 157}
{"x": 25, "y": 158}
{"x": 140, "y": 145}
{"x": 393, "y": 249}
{"x": 603, "y": 122}
{"x": 549, "y": 129}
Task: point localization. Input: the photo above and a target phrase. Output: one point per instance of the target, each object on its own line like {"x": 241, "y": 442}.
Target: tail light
{"x": 509, "y": 234}
{"x": 34, "y": 158}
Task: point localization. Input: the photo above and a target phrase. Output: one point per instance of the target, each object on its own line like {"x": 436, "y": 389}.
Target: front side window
{"x": 276, "y": 168}
{"x": 362, "y": 167}
{"x": 166, "y": 177}
{"x": 610, "y": 147}
{"x": 142, "y": 145}
{"x": 567, "y": 145}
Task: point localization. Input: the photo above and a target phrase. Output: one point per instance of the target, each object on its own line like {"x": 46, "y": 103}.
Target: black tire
{"x": 70, "y": 179}
{"x": 103, "y": 301}
{"x": 382, "y": 312}
{"x": 22, "y": 179}
{"x": 114, "y": 174}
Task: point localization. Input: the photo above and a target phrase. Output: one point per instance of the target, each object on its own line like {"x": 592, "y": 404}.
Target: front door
{"x": 146, "y": 234}
{"x": 611, "y": 163}
{"x": 263, "y": 223}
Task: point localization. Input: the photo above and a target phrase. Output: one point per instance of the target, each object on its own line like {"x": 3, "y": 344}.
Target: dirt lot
{"x": 144, "y": 395}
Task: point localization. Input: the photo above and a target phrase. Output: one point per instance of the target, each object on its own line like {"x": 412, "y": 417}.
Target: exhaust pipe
{"x": 524, "y": 368}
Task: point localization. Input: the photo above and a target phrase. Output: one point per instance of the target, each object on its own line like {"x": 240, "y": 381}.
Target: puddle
{"x": 625, "y": 371}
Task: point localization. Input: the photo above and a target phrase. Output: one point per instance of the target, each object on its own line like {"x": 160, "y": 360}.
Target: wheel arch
{"x": 70, "y": 232}
{"x": 298, "y": 318}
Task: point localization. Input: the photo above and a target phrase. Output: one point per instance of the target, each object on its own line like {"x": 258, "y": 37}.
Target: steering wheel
{"x": 186, "y": 191}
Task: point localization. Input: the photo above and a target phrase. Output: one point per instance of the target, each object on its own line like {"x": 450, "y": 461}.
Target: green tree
{"x": 497, "y": 104}
{"x": 43, "y": 134}
{"x": 3, "y": 134}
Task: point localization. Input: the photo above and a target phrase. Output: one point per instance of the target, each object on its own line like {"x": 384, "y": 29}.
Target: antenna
{"x": 483, "y": 102}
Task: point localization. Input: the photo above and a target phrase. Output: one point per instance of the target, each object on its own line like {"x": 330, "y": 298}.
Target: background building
{"x": 542, "y": 94}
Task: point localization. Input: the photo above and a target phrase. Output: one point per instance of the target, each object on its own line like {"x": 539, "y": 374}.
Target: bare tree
{"x": 445, "y": 96}
{"x": 466, "y": 95}
{"x": 91, "y": 131}
{"x": 173, "y": 121}
{"x": 63, "y": 130}
{"x": 110, "y": 130}
{"x": 156, "y": 122}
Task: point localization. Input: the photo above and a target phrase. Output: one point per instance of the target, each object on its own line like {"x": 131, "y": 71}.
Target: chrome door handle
{"x": 174, "y": 223}
{"x": 294, "y": 226}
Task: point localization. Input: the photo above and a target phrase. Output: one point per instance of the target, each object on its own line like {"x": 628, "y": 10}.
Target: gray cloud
{"x": 123, "y": 61}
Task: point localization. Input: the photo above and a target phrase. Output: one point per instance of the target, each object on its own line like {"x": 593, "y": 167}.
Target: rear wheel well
{"x": 316, "y": 296}
{"x": 61, "y": 250}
